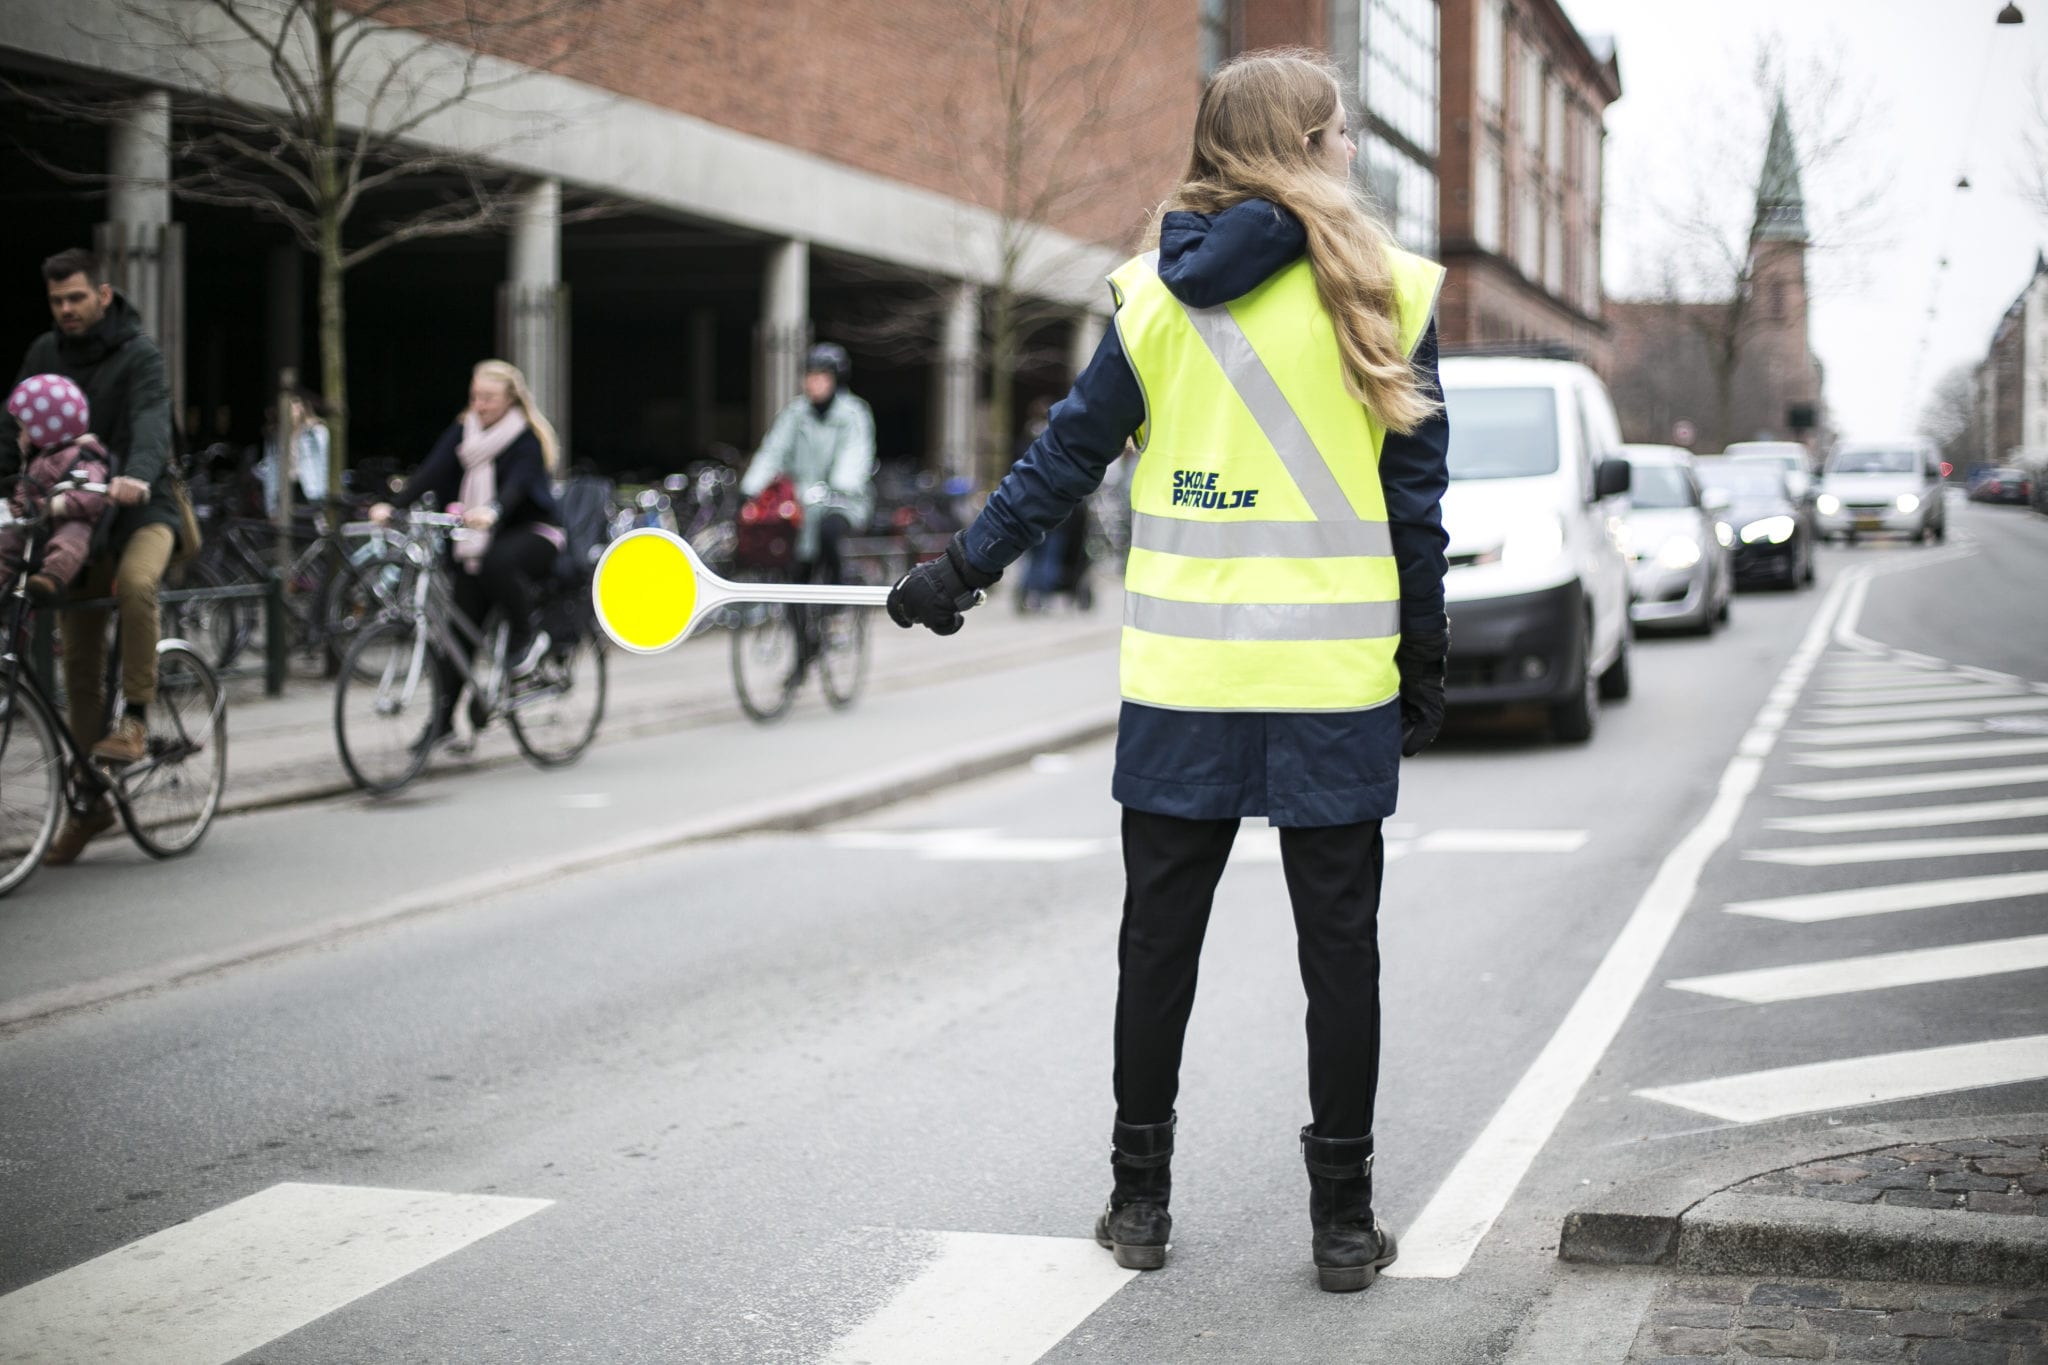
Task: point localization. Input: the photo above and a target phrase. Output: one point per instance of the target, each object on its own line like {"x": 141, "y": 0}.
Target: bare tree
{"x": 1793, "y": 141}
{"x": 313, "y": 114}
{"x": 1953, "y": 417}
{"x": 1038, "y": 125}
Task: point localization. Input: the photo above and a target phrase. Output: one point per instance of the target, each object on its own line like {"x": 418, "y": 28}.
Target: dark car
{"x": 2003, "y": 485}
{"x": 1772, "y": 544}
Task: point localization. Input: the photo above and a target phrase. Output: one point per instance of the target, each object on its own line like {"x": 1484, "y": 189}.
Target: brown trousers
{"x": 131, "y": 580}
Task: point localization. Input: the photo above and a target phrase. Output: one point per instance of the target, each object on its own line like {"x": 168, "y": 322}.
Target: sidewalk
{"x": 282, "y": 749}
{"x": 1922, "y": 1242}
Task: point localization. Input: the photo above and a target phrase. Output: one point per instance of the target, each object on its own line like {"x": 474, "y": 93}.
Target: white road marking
{"x": 1856, "y": 1081}
{"x": 225, "y": 1283}
{"x": 1817, "y": 906}
{"x": 585, "y": 801}
{"x": 1955, "y": 690}
{"x": 1912, "y": 817}
{"x": 1919, "y": 682}
{"x": 1856, "y": 788}
{"x": 969, "y": 845}
{"x": 1932, "y": 710}
{"x": 1879, "y": 971}
{"x": 1899, "y": 850}
{"x": 1441, "y": 1240}
{"x": 991, "y": 1299}
{"x": 1502, "y": 841}
{"x": 1052, "y": 763}
{"x": 1904, "y": 730}
{"x": 1891, "y": 755}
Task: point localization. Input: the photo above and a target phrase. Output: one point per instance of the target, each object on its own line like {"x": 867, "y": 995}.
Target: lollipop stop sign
{"x": 651, "y": 591}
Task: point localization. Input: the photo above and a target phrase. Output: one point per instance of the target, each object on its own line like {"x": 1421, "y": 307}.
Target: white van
{"x": 1538, "y": 588}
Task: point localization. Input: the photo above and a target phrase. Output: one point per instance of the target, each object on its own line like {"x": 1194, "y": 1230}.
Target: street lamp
{"x": 2011, "y": 15}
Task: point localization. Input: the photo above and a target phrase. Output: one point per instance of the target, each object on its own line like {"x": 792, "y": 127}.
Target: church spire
{"x": 1780, "y": 207}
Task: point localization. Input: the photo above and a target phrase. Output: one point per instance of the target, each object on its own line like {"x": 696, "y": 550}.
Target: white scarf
{"x": 479, "y": 449}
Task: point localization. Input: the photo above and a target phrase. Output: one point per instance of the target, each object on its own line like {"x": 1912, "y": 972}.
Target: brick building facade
{"x": 1524, "y": 97}
{"x": 2012, "y": 382}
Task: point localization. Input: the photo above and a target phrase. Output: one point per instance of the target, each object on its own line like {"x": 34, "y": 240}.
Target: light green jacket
{"x": 834, "y": 454}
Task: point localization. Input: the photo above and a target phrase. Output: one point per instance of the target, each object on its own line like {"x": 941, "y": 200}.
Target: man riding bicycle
{"x": 824, "y": 442}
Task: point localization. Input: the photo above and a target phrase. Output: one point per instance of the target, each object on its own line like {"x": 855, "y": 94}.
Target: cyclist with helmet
{"x": 824, "y": 442}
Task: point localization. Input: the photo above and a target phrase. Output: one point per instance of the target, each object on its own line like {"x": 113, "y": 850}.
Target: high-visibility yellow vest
{"x": 1261, "y": 575}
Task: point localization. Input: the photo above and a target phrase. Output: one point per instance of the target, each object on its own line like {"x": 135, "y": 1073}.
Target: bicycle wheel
{"x": 169, "y": 799}
{"x": 385, "y": 702}
{"x": 842, "y": 654}
{"x": 219, "y": 628}
{"x": 357, "y": 592}
{"x": 764, "y": 654}
{"x": 31, "y": 785}
{"x": 556, "y": 712}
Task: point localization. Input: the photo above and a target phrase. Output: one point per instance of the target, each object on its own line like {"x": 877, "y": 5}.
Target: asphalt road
{"x": 765, "y": 1085}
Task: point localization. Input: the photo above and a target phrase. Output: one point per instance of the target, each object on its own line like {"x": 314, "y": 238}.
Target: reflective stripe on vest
{"x": 1261, "y": 574}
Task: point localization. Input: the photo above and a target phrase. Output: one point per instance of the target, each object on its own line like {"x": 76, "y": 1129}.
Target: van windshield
{"x": 1502, "y": 433}
{"x": 1874, "y": 462}
{"x": 1659, "y": 485}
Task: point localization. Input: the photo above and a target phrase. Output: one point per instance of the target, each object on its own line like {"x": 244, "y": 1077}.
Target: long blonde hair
{"x": 1248, "y": 145}
{"x": 506, "y": 373}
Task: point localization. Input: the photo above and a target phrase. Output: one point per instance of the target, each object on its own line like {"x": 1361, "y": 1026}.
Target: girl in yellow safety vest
{"x": 1284, "y": 632}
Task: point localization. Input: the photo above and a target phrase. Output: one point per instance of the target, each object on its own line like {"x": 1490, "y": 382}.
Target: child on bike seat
{"x": 56, "y": 444}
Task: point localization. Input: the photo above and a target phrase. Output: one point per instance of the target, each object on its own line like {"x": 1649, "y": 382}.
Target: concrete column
{"x": 703, "y": 361}
{"x": 1088, "y": 329}
{"x": 784, "y": 332}
{"x": 141, "y": 246}
{"x": 533, "y": 304}
{"x": 954, "y": 381}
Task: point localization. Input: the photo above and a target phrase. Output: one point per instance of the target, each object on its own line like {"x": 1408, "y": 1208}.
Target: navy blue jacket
{"x": 524, "y": 492}
{"x": 1297, "y": 769}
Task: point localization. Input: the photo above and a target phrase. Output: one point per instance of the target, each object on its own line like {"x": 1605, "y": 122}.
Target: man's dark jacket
{"x": 122, "y": 373}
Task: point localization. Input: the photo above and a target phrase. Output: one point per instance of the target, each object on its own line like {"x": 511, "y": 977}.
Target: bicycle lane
{"x": 116, "y": 923}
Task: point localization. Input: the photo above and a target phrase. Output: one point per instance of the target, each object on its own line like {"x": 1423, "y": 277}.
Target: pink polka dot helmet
{"x": 51, "y": 409}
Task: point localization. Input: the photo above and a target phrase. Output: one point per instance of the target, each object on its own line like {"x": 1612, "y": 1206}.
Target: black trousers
{"x": 508, "y": 578}
{"x": 1171, "y": 867}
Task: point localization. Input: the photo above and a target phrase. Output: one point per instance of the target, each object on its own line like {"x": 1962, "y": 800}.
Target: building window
{"x": 1397, "y": 70}
{"x": 1219, "y": 34}
{"x": 1528, "y": 227}
{"x": 1553, "y": 143}
{"x": 1403, "y": 189}
{"x": 1492, "y": 58}
{"x": 1529, "y": 96}
{"x": 1589, "y": 273}
{"x": 1486, "y": 193}
{"x": 1553, "y": 246}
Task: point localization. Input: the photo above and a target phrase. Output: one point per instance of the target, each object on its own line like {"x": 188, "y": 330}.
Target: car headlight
{"x": 1538, "y": 542}
{"x": 1679, "y": 552}
{"x": 1907, "y": 503}
{"x": 1724, "y": 533}
{"x": 1776, "y": 530}
{"x": 1828, "y": 504}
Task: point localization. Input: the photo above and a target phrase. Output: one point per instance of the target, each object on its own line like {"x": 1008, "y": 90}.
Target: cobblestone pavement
{"x": 1984, "y": 1175}
{"x": 1696, "y": 1321}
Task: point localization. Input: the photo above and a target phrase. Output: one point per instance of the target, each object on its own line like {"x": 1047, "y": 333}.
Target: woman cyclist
{"x": 1284, "y": 634}
{"x": 496, "y": 462}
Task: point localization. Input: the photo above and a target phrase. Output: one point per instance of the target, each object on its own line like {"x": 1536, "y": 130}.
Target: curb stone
{"x": 1684, "y": 1215}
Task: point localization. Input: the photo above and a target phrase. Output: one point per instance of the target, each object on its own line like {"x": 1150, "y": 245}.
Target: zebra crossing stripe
{"x": 987, "y": 1298}
{"x": 1955, "y": 690}
{"x": 1912, "y": 967}
{"x": 1922, "y": 682}
{"x": 225, "y": 1283}
{"x": 1913, "y": 817}
{"x": 1932, "y": 710}
{"x": 1892, "y": 755}
{"x": 1875, "y": 734}
{"x": 1815, "y": 907}
{"x": 1852, "y": 1082}
{"x": 1856, "y": 788}
{"x": 1899, "y": 850}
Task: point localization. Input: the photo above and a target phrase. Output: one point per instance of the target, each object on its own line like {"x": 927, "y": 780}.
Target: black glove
{"x": 935, "y": 592}
{"x": 1420, "y": 661}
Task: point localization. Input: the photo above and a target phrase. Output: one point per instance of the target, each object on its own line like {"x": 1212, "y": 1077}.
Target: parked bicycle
{"x": 390, "y": 691}
{"x": 167, "y": 800}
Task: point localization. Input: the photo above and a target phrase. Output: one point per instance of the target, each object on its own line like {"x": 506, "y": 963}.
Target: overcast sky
{"x": 1922, "y": 64}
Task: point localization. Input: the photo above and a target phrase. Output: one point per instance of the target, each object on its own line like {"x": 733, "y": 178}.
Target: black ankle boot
{"x": 1351, "y": 1247}
{"x": 1136, "y": 1225}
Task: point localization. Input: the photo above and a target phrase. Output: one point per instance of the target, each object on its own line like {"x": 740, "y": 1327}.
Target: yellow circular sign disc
{"x": 646, "y": 591}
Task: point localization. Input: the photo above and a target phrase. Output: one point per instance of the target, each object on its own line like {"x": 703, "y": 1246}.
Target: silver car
{"x": 1893, "y": 488}
{"x": 1681, "y": 573}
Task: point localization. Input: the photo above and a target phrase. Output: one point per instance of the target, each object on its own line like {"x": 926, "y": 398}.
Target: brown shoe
{"x": 76, "y": 832}
{"x": 128, "y": 743}
{"x": 43, "y": 589}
